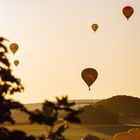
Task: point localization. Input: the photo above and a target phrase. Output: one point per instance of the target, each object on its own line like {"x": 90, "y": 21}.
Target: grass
{"x": 76, "y": 132}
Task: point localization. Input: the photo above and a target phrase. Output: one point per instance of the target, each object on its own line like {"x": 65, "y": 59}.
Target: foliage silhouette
{"x": 8, "y": 85}
{"x": 49, "y": 115}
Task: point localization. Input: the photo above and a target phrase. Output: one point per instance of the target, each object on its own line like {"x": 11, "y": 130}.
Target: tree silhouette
{"x": 9, "y": 84}
{"x": 49, "y": 115}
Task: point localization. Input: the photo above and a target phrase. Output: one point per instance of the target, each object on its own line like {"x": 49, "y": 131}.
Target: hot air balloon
{"x": 128, "y": 11}
{"x": 89, "y": 75}
{"x": 122, "y": 136}
{"x": 14, "y": 47}
{"x": 16, "y": 62}
{"x": 94, "y": 27}
{"x": 135, "y": 133}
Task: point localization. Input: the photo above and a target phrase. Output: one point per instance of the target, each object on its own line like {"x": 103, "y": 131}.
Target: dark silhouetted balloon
{"x": 16, "y": 62}
{"x": 128, "y": 11}
{"x": 94, "y": 27}
{"x": 89, "y": 75}
{"x": 14, "y": 47}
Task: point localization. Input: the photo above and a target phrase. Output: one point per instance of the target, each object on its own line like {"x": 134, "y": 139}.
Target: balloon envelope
{"x": 135, "y": 133}
{"x": 89, "y": 75}
{"x": 122, "y": 136}
{"x": 128, "y": 11}
{"x": 14, "y": 47}
{"x": 16, "y": 62}
{"x": 94, "y": 27}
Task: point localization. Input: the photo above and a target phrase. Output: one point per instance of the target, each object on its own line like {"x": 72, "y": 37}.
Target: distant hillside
{"x": 98, "y": 115}
{"x": 122, "y": 105}
{"x": 21, "y": 117}
{"x": 98, "y": 111}
{"x": 79, "y": 103}
{"x": 33, "y": 106}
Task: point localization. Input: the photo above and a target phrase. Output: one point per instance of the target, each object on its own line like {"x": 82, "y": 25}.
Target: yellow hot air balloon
{"x": 135, "y": 133}
{"x": 14, "y": 47}
{"x": 16, "y": 62}
{"x": 89, "y": 75}
{"x": 94, "y": 27}
{"x": 128, "y": 11}
{"x": 122, "y": 136}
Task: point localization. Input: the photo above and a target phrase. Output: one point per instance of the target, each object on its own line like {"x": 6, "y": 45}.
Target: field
{"x": 76, "y": 132}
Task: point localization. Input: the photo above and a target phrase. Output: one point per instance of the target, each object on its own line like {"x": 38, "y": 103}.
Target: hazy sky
{"x": 56, "y": 43}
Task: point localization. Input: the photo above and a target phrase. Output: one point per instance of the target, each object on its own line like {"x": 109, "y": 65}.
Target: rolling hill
{"x": 122, "y": 105}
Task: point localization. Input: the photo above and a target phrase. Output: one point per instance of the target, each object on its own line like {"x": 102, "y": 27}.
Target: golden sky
{"x": 56, "y": 43}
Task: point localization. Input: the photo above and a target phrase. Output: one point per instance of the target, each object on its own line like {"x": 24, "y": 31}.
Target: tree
{"x": 49, "y": 115}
